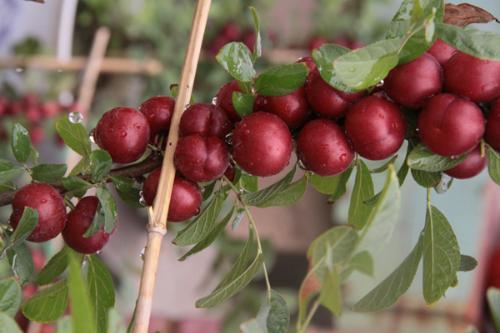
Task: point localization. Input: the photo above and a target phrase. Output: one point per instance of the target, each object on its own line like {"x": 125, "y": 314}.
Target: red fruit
{"x": 342, "y": 41}
{"x": 492, "y": 134}
{"x": 51, "y": 109}
{"x": 79, "y": 220}
{"x": 323, "y": 148}
{"x": 471, "y": 77}
{"x": 450, "y": 125}
{"x": 206, "y": 120}
{"x": 473, "y": 164}
{"x": 249, "y": 38}
{"x": 185, "y": 201}
{"x": 158, "y": 111}
{"x": 201, "y": 159}
{"x": 262, "y": 144}
{"x": 4, "y": 105}
{"x": 376, "y": 127}
{"x": 225, "y": 99}
{"x": 326, "y": 100}
{"x": 49, "y": 205}
{"x": 442, "y": 51}
{"x": 231, "y": 31}
{"x": 292, "y": 108}
{"x": 37, "y": 134}
{"x": 493, "y": 277}
{"x": 124, "y": 133}
{"x": 356, "y": 44}
{"x": 411, "y": 84}
{"x": 316, "y": 42}
{"x": 230, "y": 173}
{"x": 33, "y": 114}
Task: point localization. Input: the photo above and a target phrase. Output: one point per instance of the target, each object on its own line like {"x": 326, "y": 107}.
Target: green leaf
{"x": 9, "y": 171}
{"x": 55, "y": 267}
{"x": 243, "y": 103}
{"x": 127, "y": 189}
{"x": 10, "y": 296}
{"x": 288, "y": 196}
{"x": 48, "y": 304}
{"x": 81, "y": 167}
{"x": 324, "y": 57}
{"x": 395, "y": 285}
{"x": 384, "y": 166}
{"x": 441, "y": 256}
{"x": 425, "y": 178}
{"x": 268, "y": 194}
{"x": 236, "y": 59}
{"x": 493, "y": 295}
{"x": 241, "y": 274}
{"x": 21, "y": 262}
{"x": 49, "y": 173}
{"x": 362, "y": 191}
{"x": 8, "y": 324}
{"x": 421, "y": 158}
{"x": 330, "y": 295}
{"x": 203, "y": 224}
{"x": 477, "y": 43}
{"x": 281, "y": 80}
{"x": 108, "y": 205}
{"x": 74, "y": 136}
{"x": 64, "y": 325}
{"x": 249, "y": 182}
{"x": 81, "y": 303}
{"x": 273, "y": 317}
{"x": 493, "y": 164}
{"x": 100, "y": 163}
{"x": 335, "y": 186}
{"x": 413, "y": 12}
{"x": 257, "y": 52}
{"x": 363, "y": 263}
{"x": 76, "y": 186}
{"x": 20, "y": 143}
{"x": 467, "y": 263}
{"x": 101, "y": 290}
{"x": 25, "y": 227}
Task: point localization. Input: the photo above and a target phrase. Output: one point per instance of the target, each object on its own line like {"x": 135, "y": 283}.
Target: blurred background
{"x": 45, "y": 72}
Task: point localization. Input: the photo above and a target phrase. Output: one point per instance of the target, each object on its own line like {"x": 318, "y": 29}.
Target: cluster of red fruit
{"x": 231, "y": 32}
{"x": 33, "y": 110}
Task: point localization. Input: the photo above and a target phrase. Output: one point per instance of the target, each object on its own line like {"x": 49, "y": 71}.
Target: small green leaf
{"x": 74, "y": 135}
{"x": 9, "y": 171}
{"x": 288, "y": 196}
{"x": 49, "y": 173}
{"x": 362, "y": 191}
{"x": 76, "y": 186}
{"x": 81, "y": 167}
{"x": 48, "y": 304}
{"x": 363, "y": 263}
{"x": 493, "y": 295}
{"x": 8, "y": 324}
{"x": 25, "y": 226}
{"x": 108, "y": 205}
{"x": 281, "y": 80}
{"x": 10, "y": 296}
{"x": 273, "y": 317}
{"x": 493, "y": 164}
{"x": 330, "y": 295}
{"x": 64, "y": 325}
{"x": 262, "y": 197}
{"x": 384, "y": 166}
{"x": 421, "y": 158}
{"x": 243, "y": 103}
{"x": 236, "y": 59}
{"x": 425, "y": 178}
{"x": 55, "y": 267}
{"x": 324, "y": 57}
{"x": 101, "y": 290}
{"x": 127, "y": 189}
{"x": 441, "y": 256}
{"x": 467, "y": 263}
{"x": 395, "y": 285}
{"x": 100, "y": 163}
{"x": 20, "y": 143}
{"x": 335, "y": 186}
{"x": 249, "y": 182}
{"x": 21, "y": 261}
{"x": 257, "y": 49}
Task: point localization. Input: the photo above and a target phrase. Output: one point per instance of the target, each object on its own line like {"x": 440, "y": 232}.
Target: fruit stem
{"x": 310, "y": 316}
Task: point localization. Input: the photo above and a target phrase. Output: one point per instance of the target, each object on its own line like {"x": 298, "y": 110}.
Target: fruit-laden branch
{"x": 135, "y": 170}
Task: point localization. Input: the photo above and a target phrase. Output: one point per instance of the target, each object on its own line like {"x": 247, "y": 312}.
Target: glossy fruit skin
{"x": 471, "y": 77}
{"x": 323, "y": 148}
{"x": 293, "y": 108}
{"x": 185, "y": 201}
{"x": 492, "y": 134}
{"x": 158, "y": 111}
{"x": 79, "y": 220}
{"x": 450, "y": 125}
{"x": 442, "y": 51}
{"x": 50, "y": 206}
{"x": 376, "y": 127}
{"x": 201, "y": 159}
{"x": 225, "y": 99}
{"x": 262, "y": 144}
{"x": 473, "y": 164}
{"x": 411, "y": 84}
{"x": 205, "y": 119}
{"x": 327, "y": 101}
{"x": 124, "y": 133}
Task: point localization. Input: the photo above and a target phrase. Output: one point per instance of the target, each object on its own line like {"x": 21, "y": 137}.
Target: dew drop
{"x": 123, "y": 134}
{"x": 75, "y": 117}
{"x": 44, "y": 200}
{"x": 342, "y": 157}
{"x": 214, "y": 100}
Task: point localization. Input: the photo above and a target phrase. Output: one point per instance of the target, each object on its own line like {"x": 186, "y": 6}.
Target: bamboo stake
{"x": 157, "y": 226}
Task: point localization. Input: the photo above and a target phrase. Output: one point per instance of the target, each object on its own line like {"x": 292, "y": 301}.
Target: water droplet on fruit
{"x": 98, "y": 252}
{"x": 44, "y": 200}
{"x": 394, "y": 125}
{"x": 142, "y": 253}
{"x": 247, "y": 131}
{"x": 444, "y": 184}
{"x": 214, "y": 100}
{"x": 197, "y": 211}
{"x": 123, "y": 134}
{"x": 75, "y": 117}
{"x": 454, "y": 157}
{"x": 342, "y": 157}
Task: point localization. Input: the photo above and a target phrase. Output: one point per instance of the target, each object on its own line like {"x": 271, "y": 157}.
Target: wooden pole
{"x": 157, "y": 226}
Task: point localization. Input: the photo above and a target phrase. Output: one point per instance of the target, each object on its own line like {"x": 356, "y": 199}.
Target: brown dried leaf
{"x": 464, "y": 14}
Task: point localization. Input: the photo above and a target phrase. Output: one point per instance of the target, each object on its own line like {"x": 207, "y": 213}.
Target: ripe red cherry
{"x": 323, "y": 148}
{"x": 292, "y": 108}
{"x": 262, "y": 144}
{"x": 471, "y": 77}
{"x": 411, "y": 84}
{"x": 473, "y": 164}
{"x": 326, "y": 100}
{"x": 50, "y": 206}
{"x": 316, "y": 42}
{"x": 442, "y": 51}
{"x": 225, "y": 99}
{"x": 185, "y": 201}
{"x": 492, "y": 134}
{"x": 206, "y": 120}
{"x": 376, "y": 127}
{"x": 249, "y": 38}
{"x": 158, "y": 110}
{"x": 124, "y": 133}
{"x": 201, "y": 159}
{"x": 231, "y": 31}
{"x": 450, "y": 125}
{"x": 79, "y": 220}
